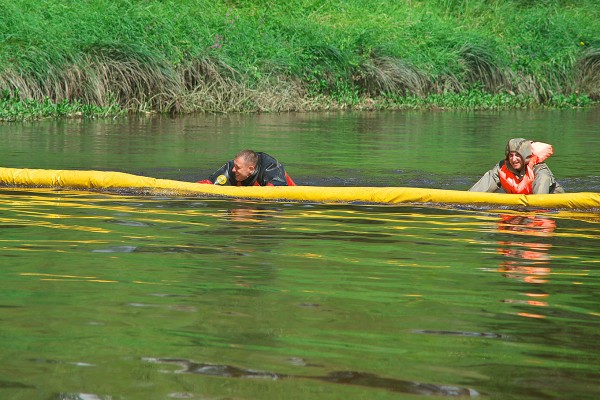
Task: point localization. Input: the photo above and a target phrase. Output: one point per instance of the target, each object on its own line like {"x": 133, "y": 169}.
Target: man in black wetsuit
{"x": 250, "y": 168}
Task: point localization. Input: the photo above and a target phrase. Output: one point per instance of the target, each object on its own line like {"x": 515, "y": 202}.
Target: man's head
{"x": 518, "y": 153}
{"x": 515, "y": 160}
{"x": 244, "y": 164}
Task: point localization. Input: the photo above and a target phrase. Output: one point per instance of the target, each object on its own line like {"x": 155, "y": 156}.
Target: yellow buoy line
{"x": 99, "y": 180}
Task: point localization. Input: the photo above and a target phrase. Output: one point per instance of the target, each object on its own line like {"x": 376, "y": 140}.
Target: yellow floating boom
{"x": 382, "y": 195}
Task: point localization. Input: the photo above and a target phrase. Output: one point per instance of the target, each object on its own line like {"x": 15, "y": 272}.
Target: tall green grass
{"x": 266, "y": 55}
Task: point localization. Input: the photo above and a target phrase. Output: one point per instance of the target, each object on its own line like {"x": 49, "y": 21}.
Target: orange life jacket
{"x": 524, "y": 185}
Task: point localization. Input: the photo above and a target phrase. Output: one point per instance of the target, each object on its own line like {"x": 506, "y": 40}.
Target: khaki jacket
{"x": 543, "y": 182}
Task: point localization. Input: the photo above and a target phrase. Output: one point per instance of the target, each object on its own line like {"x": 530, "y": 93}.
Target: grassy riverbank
{"x": 106, "y": 57}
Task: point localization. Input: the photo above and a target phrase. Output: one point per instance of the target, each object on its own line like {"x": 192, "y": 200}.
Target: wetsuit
{"x": 268, "y": 172}
{"x": 538, "y": 177}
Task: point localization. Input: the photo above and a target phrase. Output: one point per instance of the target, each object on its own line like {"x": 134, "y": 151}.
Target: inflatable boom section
{"x": 383, "y": 195}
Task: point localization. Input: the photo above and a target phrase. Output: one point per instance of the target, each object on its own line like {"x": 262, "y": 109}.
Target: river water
{"x": 112, "y": 296}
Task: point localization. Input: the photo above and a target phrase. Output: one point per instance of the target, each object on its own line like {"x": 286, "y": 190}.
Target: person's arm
{"x": 489, "y": 182}
{"x": 274, "y": 175}
{"x": 543, "y": 181}
{"x": 223, "y": 171}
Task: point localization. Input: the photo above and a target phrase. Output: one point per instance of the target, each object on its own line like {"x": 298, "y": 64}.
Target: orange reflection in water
{"x": 527, "y": 258}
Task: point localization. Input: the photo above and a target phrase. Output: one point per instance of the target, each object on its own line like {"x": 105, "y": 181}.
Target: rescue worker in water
{"x": 523, "y": 170}
{"x": 250, "y": 168}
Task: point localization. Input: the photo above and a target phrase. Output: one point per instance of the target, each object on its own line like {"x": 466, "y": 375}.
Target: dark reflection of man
{"x": 244, "y": 215}
{"x": 253, "y": 228}
{"x": 527, "y": 253}
{"x": 244, "y": 211}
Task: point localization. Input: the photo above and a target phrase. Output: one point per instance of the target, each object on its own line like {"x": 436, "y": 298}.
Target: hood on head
{"x": 521, "y": 146}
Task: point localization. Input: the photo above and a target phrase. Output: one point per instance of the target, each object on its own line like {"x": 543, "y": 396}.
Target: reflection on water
{"x": 526, "y": 260}
{"x": 340, "y": 377}
{"x": 325, "y": 301}
{"x": 447, "y": 150}
{"x": 81, "y": 396}
{"x": 322, "y": 300}
{"x": 526, "y": 246}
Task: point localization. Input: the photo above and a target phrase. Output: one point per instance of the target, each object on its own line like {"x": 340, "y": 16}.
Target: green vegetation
{"x": 14, "y": 108}
{"x": 104, "y": 57}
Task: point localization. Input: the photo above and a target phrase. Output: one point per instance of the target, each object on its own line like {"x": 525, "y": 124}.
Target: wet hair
{"x": 248, "y": 156}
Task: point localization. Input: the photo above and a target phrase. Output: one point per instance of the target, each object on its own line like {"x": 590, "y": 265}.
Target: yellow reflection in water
{"x": 51, "y": 225}
{"x": 78, "y": 278}
{"x": 37, "y": 208}
{"x": 55, "y": 275}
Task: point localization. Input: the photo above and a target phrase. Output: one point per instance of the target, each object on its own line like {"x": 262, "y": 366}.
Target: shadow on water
{"x": 490, "y": 335}
{"x": 354, "y": 378}
{"x": 14, "y": 385}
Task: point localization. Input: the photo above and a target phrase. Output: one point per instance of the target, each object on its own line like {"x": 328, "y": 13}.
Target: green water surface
{"x": 113, "y": 296}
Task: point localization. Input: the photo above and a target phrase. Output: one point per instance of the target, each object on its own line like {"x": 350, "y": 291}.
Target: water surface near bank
{"x": 108, "y": 296}
{"x": 449, "y": 150}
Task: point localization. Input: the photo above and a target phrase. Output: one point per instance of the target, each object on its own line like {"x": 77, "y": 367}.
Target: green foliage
{"x": 13, "y": 108}
{"x": 477, "y": 99}
{"x": 142, "y": 54}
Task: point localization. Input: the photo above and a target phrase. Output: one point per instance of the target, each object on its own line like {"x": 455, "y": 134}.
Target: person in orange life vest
{"x": 250, "y": 168}
{"x": 523, "y": 170}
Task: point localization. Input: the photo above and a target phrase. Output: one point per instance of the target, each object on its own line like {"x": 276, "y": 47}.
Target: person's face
{"x": 515, "y": 160}
{"x": 242, "y": 169}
